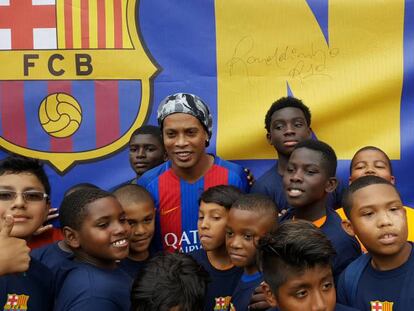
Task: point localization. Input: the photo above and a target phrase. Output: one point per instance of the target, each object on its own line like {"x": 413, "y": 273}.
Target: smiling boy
{"x": 96, "y": 229}
{"x": 140, "y": 213}
{"x": 249, "y": 218}
{"x": 385, "y": 276}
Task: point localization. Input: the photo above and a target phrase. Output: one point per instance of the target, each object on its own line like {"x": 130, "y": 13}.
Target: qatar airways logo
{"x": 187, "y": 242}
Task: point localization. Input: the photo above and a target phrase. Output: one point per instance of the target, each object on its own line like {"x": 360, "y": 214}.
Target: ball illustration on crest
{"x": 60, "y": 115}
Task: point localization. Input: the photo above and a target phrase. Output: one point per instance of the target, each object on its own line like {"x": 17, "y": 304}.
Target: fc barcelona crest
{"x": 75, "y": 79}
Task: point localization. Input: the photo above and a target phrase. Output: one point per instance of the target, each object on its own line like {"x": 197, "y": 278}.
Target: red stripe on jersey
{"x": 170, "y": 211}
{"x": 215, "y": 176}
{"x": 118, "y": 23}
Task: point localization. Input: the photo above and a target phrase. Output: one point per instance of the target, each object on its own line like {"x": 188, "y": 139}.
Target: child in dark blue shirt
{"x": 296, "y": 264}
{"x": 24, "y": 195}
{"x": 249, "y": 218}
{"x": 287, "y": 123}
{"x": 212, "y": 219}
{"x": 308, "y": 179}
{"x": 97, "y": 231}
{"x": 383, "y": 279}
{"x": 140, "y": 212}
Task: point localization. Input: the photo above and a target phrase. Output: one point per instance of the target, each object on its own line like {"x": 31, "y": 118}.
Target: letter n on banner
{"x": 349, "y": 71}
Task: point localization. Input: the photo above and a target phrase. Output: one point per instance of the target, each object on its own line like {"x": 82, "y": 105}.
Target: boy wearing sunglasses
{"x": 24, "y": 203}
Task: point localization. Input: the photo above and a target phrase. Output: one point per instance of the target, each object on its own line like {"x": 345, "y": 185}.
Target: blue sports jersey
{"x": 132, "y": 267}
{"x": 31, "y": 290}
{"x": 222, "y": 283}
{"x": 52, "y": 256}
{"x": 380, "y": 290}
{"x": 242, "y": 295}
{"x": 84, "y": 287}
{"x": 177, "y": 201}
{"x": 271, "y": 184}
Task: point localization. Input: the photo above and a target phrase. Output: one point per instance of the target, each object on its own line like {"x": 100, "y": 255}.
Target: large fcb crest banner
{"x": 78, "y": 76}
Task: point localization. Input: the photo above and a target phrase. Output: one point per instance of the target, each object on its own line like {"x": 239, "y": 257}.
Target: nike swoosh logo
{"x": 167, "y": 211}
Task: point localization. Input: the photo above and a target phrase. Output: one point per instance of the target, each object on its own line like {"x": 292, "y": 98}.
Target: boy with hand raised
{"x": 24, "y": 206}
{"x": 384, "y": 277}
{"x": 215, "y": 203}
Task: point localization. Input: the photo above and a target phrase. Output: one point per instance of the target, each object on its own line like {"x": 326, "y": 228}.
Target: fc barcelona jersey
{"x": 176, "y": 201}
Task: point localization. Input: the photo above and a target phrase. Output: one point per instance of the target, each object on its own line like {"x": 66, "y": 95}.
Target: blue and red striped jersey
{"x": 177, "y": 201}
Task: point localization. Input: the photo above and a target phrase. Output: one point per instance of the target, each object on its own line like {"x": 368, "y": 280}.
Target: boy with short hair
{"x": 97, "y": 231}
{"x": 383, "y": 279}
{"x": 296, "y": 263}
{"x": 140, "y": 212}
{"x": 249, "y": 218}
{"x": 24, "y": 205}
{"x": 215, "y": 203}
{"x": 371, "y": 160}
{"x": 173, "y": 282}
{"x": 55, "y": 254}
{"x": 308, "y": 179}
{"x": 287, "y": 123}
{"x": 146, "y": 150}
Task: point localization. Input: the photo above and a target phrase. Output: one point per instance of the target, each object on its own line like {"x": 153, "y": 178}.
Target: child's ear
{"x": 331, "y": 184}
{"x": 71, "y": 237}
{"x": 392, "y": 180}
{"x": 347, "y": 226}
{"x": 270, "y": 298}
{"x": 269, "y": 138}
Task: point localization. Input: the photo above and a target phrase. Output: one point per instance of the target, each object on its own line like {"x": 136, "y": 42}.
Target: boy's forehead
{"x": 144, "y": 139}
{"x": 206, "y": 207}
{"x": 258, "y": 220}
{"x": 139, "y": 207}
{"x": 307, "y": 275}
{"x": 288, "y": 113}
{"x": 306, "y": 156}
{"x": 369, "y": 155}
{"x": 375, "y": 195}
{"x": 20, "y": 180}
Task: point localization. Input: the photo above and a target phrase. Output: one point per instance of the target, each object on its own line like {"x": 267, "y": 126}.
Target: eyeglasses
{"x": 28, "y": 196}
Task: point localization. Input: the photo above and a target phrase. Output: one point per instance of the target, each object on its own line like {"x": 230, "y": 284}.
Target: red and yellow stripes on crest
{"x": 92, "y": 24}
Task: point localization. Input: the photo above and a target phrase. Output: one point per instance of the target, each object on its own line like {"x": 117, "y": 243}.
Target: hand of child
{"x": 258, "y": 300}
{"x": 53, "y": 213}
{"x": 14, "y": 255}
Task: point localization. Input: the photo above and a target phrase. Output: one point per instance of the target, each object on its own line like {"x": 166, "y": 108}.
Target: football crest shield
{"x": 75, "y": 78}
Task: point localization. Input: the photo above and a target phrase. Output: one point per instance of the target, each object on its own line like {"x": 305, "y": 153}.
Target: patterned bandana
{"x": 186, "y": 103}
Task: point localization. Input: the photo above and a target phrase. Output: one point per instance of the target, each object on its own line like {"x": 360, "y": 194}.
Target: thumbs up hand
{"x": 14, "y": 252}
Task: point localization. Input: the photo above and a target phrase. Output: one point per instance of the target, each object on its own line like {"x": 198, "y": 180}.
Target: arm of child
{"x": 14, "y": 256}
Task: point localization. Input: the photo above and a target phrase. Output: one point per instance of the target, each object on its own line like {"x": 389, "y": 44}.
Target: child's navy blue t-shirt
{"x": 52, "y": 256}
{"x": 240, "y": 299}
{"x": 132, "y": 267}
{"x": 222, "y": 283}
{"x": 31, "y": 290}
{"x": 382, "y": 289}
{"x": 84, "y": 287}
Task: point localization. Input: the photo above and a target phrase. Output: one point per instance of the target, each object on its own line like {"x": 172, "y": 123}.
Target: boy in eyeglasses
{"x": 24, "y": 201}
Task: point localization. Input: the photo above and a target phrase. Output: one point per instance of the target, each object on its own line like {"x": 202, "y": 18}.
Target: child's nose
{"x": 318, "y": 302}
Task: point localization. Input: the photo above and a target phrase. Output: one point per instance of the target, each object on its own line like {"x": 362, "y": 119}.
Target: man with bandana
{"x": 177, "y": 184}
